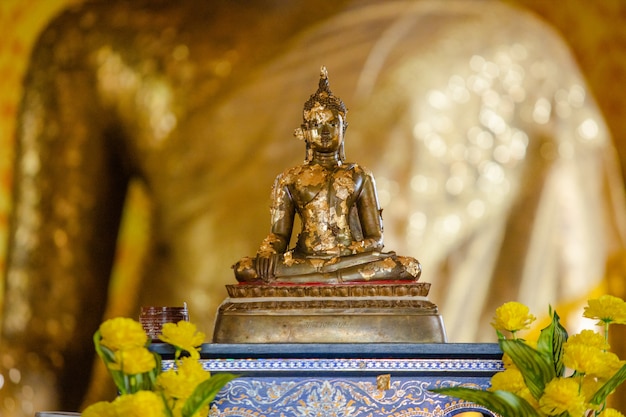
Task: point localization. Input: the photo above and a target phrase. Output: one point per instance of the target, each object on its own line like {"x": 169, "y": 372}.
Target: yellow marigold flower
{"x": 611, "y": 412}
{"x": 170, "y": 383}
{"x": 192, "y": 369}
{"x": 509, "y": 380}
{"x": 183, "y": 335}
{"x": 512, "y": 317}
{"x": 582, "y": 359}
{"x": 133, "y": 361}
{"x": 122, "y": 333}
{"x": 561, "y": 395}
{"x": 181, "y": 382}
{"x": 507, "y": 361}
{"x": 612, "y": 364}
{"x": 589, "y": 338}
{"x": 528, "y": 396}
{"x": 590, "y": 360}
{"x": 140, "y": 404}
{"x": 606, "y": 309}
{"x": 589, "y": 386}
{"x": 100, "y": 409}
{"x": 177, "y": 410}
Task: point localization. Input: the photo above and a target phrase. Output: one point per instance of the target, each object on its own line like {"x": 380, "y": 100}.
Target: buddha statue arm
{"x": 277, "y": 242}
{"x": 283, "y": 212}
{"x": 369, "y": 217}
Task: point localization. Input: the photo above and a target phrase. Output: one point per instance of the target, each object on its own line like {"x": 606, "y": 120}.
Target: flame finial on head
{"x": 324, "y": 73}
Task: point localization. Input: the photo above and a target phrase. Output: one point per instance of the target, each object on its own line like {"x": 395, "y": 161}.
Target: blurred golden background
{"x": 595, "y": 31}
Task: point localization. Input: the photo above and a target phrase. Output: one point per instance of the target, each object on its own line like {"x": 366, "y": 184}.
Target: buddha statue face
{"x": 324, "y": 130}
{"x": 324, "y": 121}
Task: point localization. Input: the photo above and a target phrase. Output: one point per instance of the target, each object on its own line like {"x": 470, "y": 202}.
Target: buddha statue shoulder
{"x": 341, "y": 236}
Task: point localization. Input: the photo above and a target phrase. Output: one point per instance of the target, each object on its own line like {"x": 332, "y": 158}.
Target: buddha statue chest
{"x": 317, "y": 188}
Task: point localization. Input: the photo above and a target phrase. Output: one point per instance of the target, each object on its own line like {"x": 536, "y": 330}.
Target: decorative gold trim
{"x": 361, "y": 306}
{"x": 412, "y": 289}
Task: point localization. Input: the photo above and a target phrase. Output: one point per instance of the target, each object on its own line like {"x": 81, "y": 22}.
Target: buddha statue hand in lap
{"x": 341, "y": 239}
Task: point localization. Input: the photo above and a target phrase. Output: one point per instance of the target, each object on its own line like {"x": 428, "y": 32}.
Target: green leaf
{"x": 157, "y": 369}
{"x": 138, "y": 383}
{"x": 536, "y": 367}
{"x": 205, "y": 392}
{"x": 143, "y": 382}
{"x": 609, "y": 386}
{"x": 551, "y": 342}
{"x": 104, "y": 352}
{"x": 108, "y": 357}
{"x": 168, "y": 412}
{"x": 503, "y": 403}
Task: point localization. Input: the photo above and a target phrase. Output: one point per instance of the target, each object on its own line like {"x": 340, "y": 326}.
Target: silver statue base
{"x": 346, "y": 313}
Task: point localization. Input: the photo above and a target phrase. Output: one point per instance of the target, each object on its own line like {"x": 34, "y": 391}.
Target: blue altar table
{"x": 346, "y": 380}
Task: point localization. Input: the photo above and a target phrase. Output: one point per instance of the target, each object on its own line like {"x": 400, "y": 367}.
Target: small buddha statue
{"x": 341, "y": 239}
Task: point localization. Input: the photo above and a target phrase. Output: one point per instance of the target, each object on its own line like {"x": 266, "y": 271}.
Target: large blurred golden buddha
{"x": 492, "y": 161}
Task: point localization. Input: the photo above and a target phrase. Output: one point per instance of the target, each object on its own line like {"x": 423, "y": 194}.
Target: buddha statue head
{"x": 323, "y": 110}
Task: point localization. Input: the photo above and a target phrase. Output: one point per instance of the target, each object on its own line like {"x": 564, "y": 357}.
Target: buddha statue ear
{"x": 301, "y": 133}
{"x": 342, "y": 151}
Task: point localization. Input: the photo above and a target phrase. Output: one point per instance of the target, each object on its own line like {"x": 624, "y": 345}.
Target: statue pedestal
{"x": 355, "y": 350}
{"x": 355, "y": 380}
{"x": 347, "y": 313}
